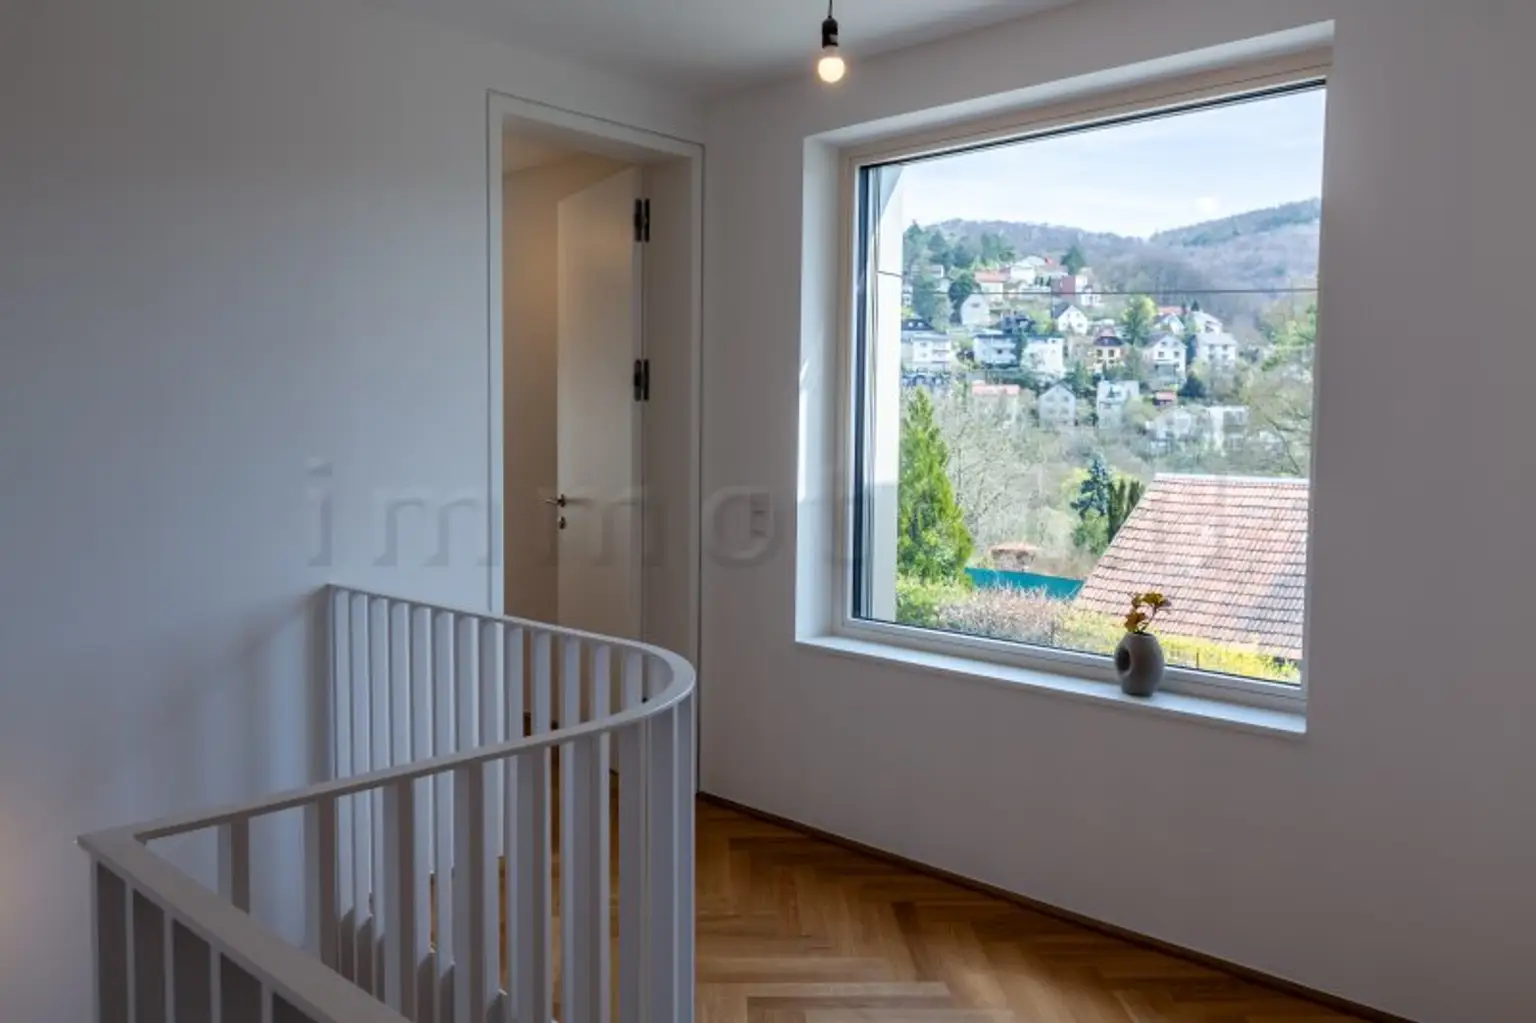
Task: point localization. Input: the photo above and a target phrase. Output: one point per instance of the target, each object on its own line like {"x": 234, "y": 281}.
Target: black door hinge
{"x": 642, "y": 379}
{"x": 642, "y": 220}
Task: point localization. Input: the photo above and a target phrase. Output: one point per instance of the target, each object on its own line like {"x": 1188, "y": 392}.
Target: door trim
{"x": 626, "y": 142}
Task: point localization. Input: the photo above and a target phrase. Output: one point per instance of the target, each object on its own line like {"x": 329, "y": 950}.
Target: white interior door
{"x": 600, "y": 287}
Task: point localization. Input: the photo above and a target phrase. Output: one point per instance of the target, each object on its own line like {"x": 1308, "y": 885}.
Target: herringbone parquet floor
{"x": 794, "y": 929}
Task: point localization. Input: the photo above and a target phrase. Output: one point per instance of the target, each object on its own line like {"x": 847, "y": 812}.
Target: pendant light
{"x": 831, "y": 67}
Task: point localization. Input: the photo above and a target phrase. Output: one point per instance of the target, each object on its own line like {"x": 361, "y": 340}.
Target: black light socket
{"x": 829, "y": 33}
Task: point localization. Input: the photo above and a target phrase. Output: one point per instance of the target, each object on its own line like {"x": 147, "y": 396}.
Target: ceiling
{"x": 708, "y": 47}
{"x": 524, "y": 152}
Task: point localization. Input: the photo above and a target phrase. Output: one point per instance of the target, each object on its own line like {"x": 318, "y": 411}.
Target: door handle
{"x": 556, "y": 502}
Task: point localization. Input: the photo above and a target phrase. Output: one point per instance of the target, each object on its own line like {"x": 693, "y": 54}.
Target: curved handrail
{"x": 679, "y": 687}
{"x": 299, "y": 978}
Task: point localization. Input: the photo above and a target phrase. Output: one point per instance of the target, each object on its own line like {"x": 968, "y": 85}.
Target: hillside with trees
{"x": 1261, "y": 251}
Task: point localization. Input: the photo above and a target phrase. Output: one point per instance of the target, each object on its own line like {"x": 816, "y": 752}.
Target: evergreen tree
{"x": 1079, "y": 381}
{"x": 1094, "y": 492}
{"x": 996, "y": 250}
{"x": 1194, "y": 388}
{"x": 930, "y": 302}
{"x": 933, "y": 544}
{"x": 1124, "y": 496}
{"x": 1074, "y": 261}
{"x": 962, "y": 285}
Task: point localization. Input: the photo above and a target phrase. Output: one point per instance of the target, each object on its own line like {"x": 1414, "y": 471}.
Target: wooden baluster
{"x": 320, "y": 882}
{"x": 423, "y": 724}
{"x": 632, "y": 877}
{"x": 593, "y": 844}
{"x": 444, "y": 718}
{"x": 380, "y": 652}
{"x": 343, "y": 719}
{"x": 235, "y": 863}
{"x": 362, "y": 818}
{"x": 493, "y": 723}
{"x": 512, "y": 688}
{"x": 531, "y": 990}
{"x": 663, "y": 997}
{"x": 404, "y": 939}
{"x": 471, "y": 917}
{"x": 574, "y": 984}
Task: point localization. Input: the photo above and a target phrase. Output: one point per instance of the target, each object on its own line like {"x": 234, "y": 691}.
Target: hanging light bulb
{"x": 831, "y": 68}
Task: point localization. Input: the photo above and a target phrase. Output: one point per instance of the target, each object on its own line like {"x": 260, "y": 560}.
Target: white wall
{"x": 530, "y": 242}
{"x": 235, "y": 237}
{"x": 1386, "y": 857}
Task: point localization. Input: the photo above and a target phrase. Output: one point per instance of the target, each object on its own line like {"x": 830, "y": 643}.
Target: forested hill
{"x": 1307, "y": 214}
{"x": 1261, "y": 250}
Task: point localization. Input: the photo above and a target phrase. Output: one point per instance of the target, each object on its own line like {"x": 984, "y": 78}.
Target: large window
{"x": 1084, "y": 368}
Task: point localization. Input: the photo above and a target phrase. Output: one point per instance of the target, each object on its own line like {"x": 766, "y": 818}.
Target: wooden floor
{"x": 793, "y": 929}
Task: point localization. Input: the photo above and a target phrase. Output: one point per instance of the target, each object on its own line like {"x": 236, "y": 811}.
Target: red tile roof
{"x": 1230, "y": 553}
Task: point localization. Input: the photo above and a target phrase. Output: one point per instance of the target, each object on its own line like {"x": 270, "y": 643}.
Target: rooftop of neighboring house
{"x": 985, "y": 390}
{"x": 1108, "y": 341}
{"x": 1230, "y": 553}
{"x": 1057, "y": 392}
{"x": 991, "y": 277}
{"x": 1218, "y": 339}
{"x": 1061, "y": 309}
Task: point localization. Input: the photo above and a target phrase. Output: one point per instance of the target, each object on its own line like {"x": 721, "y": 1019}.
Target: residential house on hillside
{"x": 1070, "y": 319}
{"x": 1216, "y": 351}
{"x": 1113, "y": 398}
{"x": 1046, "y": 357}
{"x": 1057, "y": 408}
{"x": 1025, "y": 273}
{"x": 1108, "y": 352}
{"x": 1229, "y": 553}
{"x": 1205, "y": 323}
{"x": 926, "y": 352}
{"x": 1078, "y": 290}
{"x": 1175, "y": 426}
{"x": 1007, "y": 398}
{"x": 976, "y": 311}
{"x": 1166, "y": 359}
{"x": 995, "y": 349}
{"x": 1227, "y": 425}
{"x": 1169, "y": 321}
{"x": 993, "y": 284}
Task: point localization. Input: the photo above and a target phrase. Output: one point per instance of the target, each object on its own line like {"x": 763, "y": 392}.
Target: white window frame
{"x": 1167, "y": 96}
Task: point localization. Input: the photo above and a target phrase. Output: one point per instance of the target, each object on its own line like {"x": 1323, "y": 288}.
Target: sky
{"x": 1135, "y": 179}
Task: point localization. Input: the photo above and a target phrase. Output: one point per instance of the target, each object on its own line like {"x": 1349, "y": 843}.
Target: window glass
{"x": 1085, "y": 371}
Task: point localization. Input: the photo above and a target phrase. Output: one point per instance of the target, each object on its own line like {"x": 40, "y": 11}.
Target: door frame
{"x": 637, "y": 143}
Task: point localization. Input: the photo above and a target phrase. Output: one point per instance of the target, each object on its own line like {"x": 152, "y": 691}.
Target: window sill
{"x": 1262, "y": 720}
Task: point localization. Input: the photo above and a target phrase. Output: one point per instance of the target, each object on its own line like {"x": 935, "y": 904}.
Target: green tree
{"x": 938, "y": 249}
{"x": 961, "y": 255}
{"x": 962, "y": 285}
{"x": 1124, "y": 496}
{"x": 996, "y": 250}
{"x": 1194, "y": 388}
{"x": 933, "y": 544}
{"x": 914, "y": 247}
{"x": 1138, "y": 320}
{"x": 1294, "y": 338}
{"x": 930, "y": 302}
{"x": 1074, "y": 261}
{"x": 1094, "y": 492}
{"x": 1080, "y": 381}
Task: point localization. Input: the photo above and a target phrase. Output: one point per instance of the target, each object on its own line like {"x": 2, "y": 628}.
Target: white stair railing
{"x": 434, "y": 887}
